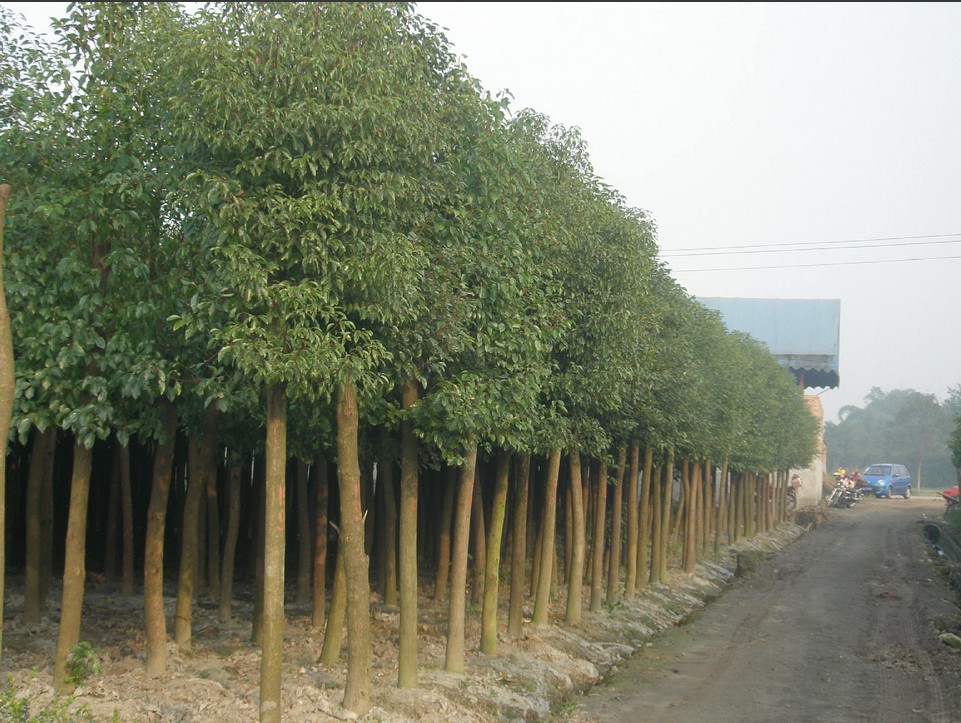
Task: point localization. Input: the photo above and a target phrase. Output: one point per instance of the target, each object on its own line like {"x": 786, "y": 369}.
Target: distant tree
{"x": 901, "y": 426}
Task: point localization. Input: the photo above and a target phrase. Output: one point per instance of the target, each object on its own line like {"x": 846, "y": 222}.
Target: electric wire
{"x": 827, "y": 263}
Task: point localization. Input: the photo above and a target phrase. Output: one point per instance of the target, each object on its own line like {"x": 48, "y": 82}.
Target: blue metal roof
{"x": 803, "y": 334}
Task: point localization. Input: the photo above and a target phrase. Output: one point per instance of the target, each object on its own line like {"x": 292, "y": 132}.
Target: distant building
{"x": 803, "y": 335}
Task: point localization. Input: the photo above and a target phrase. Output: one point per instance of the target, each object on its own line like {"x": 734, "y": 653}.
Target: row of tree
{"x": 303, "y": 234}
{"x": 902, "y": 426}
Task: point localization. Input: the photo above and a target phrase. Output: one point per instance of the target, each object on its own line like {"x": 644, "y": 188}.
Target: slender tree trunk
{"x": 597, "y": 556}
{"x": 454, "y": 659}
{"x": 7, "y": 390}
{"x": 319, "y": 471}
{"x": 334, "y": 631}
{"x": 275, "y": 535}
{"x": 156, "y": 622}
{"x": 388, "y": 530}
{"x": 657, "y": 487}
{"x": 568, "y": 531}
{"x": 260, "y": 495}
{"x": 737, "y": 512}
{"x": 630, "y": 554}
{"x": 721, "y": 510}
{"x": 47, "y": 529}
{"x": 188, "y": 546}
{"x": 304, "y": 541}
{"x": 213, "y": 526}
{"x": 666, "y": 512}
{"x": 444, "y": 541}
{"x": 704, "y": 518}
{"x": 110, "y": 546}
{"x": 74, "y": 570}
{"x": 230, "y": 540}
{"x": 478, "y": 541}
{"x": 495, "y": 530}
{"x": 41, "y": 466}
{"x": 127, "y": 583}
{"x": 407, "y": 545}
{"x": 682, "y": 501}
{"x": 691, "y": 519}
{"x": 201, "y": 466}
{"x": 575, "y": 584}
{"x": 548, "y": 527}
{"x": 515, "y": 614}
{"x": 617, "y": 504}
{"x": 356, "y": 565}
{"x": 644, "y": 520}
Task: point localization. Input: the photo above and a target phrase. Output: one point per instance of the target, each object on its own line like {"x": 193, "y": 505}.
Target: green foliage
{"x": 320, "y": 191}
{"x": 16, "y": 709}
{"x": 898, "y": 426}
{"x": 83, "y": 662}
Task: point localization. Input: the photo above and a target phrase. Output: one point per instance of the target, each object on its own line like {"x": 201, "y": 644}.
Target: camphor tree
{"x": 309, "y": 130}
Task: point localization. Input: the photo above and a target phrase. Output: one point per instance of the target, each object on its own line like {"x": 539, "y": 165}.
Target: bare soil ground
{"x": 541, "y": 676}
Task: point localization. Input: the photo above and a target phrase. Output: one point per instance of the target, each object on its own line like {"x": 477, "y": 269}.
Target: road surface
{"x": 843, "y": 625}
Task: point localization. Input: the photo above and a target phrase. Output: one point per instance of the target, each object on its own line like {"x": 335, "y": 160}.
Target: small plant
{"x": 83, "y": 662}
{"x": 17, "y": 709}
{"x": 13, "y": 708}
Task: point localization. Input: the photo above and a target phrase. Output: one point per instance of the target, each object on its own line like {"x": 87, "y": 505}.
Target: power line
{"x": 805, "y": 266}
{"x": 813, "y": 243}
{"x": 811, "y": 248}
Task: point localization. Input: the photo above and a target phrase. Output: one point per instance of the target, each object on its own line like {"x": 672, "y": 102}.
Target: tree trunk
{"x": 230, "y": 540}
{"x": 495, "y": 530}
{"x": 515, "y": 613}
{"x": 275, "y": 535}
{"x": 304, "y": 542}
{"x": 617, "y": 505}
{"x": 666, "y": 513}
{"x": 259, "y": 505}
{"x": 74, "y": 570}
{"x": 454, "y": 659}
{"x": 319, "y": 471}
{"x": 388, "y": 530}
{"x": 188, "y": 546}
{"x": 575, "y": 579}
{"x": 597, "y": 557}
{"x": 644, "y": 521}
{"x": 41, "y": 466}
{"x": 357, "y": 688}
{"x": 7, "y": 390}
{"x": 407, "y": 545}
{"x": 682, "y": 501}
{"x": 548, "y": 526}
{"x": 201, "y": 466}
{"x": 127, "y": 584}
{"x": 692, "y": 518}
{"x": 721, "y": 510}
{"x": 630, "y": 554}
{"x": 657, "y": 487}
{"x": 478, "y": 540}
{"x": 153, "y": 602}
{"x": 334, "y": 631}
{"x": 110, "y": 546}
{"x": 213, "y": 526}
{"x": 443, "y": 543}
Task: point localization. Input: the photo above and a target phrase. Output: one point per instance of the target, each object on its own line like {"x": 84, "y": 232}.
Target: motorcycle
{"x": 846, "y": 493}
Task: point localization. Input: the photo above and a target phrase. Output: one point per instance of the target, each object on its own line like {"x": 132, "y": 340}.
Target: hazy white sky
{"x": 760, "y": 124}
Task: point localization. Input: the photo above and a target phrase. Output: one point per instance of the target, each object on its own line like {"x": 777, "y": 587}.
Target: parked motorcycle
{"x": 846, "y": 493}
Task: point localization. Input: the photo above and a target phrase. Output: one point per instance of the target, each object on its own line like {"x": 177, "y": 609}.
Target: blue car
{"x": 887, "y": 480}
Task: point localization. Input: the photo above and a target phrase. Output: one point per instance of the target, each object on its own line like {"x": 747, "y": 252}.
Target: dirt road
{"x": 842, "y": 625}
